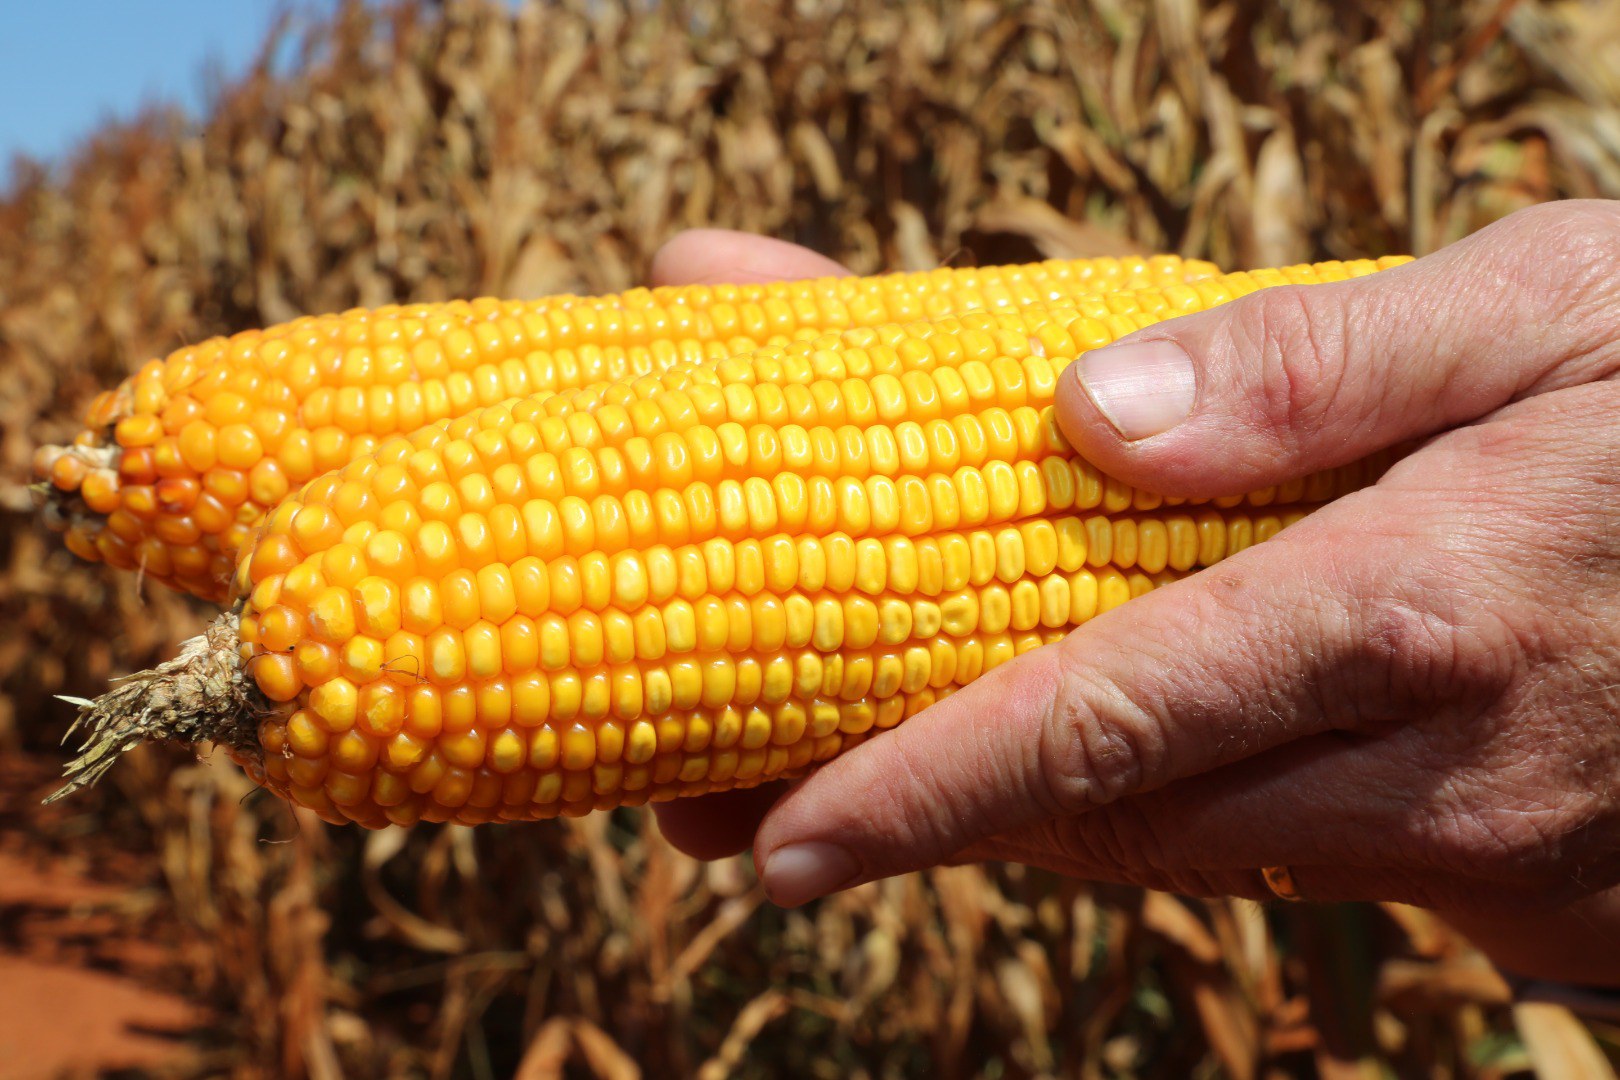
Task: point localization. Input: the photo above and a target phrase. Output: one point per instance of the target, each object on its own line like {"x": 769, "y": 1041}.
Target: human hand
{"x": 1411, "y": 695}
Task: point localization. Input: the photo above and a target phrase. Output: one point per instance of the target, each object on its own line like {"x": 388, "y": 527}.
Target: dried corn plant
{"x": 425, "y": 151}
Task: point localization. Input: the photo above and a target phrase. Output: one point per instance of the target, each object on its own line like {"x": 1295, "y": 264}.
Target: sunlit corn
{"x": 178, "y": 464}
{"x": 704, "y": 578}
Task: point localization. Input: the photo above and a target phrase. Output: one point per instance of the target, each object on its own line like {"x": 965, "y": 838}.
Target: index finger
{"x": 1349, "y": 617}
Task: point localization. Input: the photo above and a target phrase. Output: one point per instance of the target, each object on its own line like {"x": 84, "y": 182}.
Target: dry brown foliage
{"x": 422, "y": 152}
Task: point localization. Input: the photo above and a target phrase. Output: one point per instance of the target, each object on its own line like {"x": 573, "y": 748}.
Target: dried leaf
{"x": 1560, "y": 1047}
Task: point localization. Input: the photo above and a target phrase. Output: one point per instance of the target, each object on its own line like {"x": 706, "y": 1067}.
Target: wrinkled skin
{"x": 1413, "y": 695}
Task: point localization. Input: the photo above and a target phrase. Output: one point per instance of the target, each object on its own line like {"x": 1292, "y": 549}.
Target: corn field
{"x": 418, "y": 151}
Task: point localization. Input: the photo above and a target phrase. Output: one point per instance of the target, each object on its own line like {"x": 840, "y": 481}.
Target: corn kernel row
{"x": 513, "y": 773}
{"x": 538, "y": 617}
{"x": 178, "y": 464}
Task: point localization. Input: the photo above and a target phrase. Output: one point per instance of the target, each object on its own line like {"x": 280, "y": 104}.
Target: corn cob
{"x": 181, "y": 462}
{"x": 685, "y": 582}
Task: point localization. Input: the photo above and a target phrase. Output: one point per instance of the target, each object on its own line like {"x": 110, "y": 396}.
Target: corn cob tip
{"x": 202, "y": 694}
{"x": 58, "y": 490}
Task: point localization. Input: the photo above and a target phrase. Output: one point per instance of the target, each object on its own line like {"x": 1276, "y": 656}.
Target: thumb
{"x": 1294, "y": 379}
{"x": 725, "y": 256}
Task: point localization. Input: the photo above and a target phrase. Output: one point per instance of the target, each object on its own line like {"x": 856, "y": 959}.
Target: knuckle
{"x": 1414, "y": 655}
{"x": 1577, "y": 234}
{"x": 1096, "y": 745}
{"x": 1575, "y": 277}
{"x": 1295, "y": 337}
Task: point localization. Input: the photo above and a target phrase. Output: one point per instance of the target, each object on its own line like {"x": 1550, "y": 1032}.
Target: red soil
{"x": 81, "y": 990}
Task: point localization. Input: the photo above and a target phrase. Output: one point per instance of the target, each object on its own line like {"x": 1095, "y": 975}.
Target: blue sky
{"x": 67, "y": 65}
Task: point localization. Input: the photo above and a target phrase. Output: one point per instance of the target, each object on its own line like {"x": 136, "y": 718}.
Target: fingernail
{"x": 799, "y": 873}
{"x": 1143, "y": 388}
